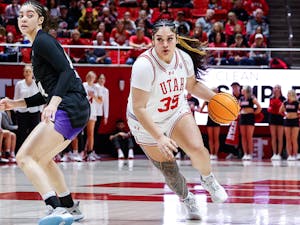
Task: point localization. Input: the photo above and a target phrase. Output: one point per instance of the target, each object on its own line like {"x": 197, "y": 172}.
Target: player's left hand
{"x": 48, "y": 113}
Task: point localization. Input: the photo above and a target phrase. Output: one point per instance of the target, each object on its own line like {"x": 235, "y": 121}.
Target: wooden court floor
{"x": 133, "y": 192}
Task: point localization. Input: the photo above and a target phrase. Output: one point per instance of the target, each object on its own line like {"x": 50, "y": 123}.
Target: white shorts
{"x": 142, "y": 136}
{"x": 93, "y": 117}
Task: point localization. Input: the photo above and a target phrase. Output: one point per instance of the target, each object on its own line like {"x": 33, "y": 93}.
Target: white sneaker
{"x": 245, "y": 157}
{"x": 96, "y": 156}
{"x": 274, "y": 157}
{"x": 250, "y": 157}
{"x": 298, "y": 157}
{"x": 75, "y": 211}
{"x": 67, "y": 157}
{"x": 130, "y": 154}
{"x": 191, "y": 207}
{"x": 217, "y": 192}
{"x": 77, "y": 157}
{"x": 57, "y": 216}
{"x": 291, "y": 158}
{"x": 90, "y": 157}
{"x": 120, "y": 154}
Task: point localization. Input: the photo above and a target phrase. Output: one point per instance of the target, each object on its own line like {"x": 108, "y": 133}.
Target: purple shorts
{"x": 62, "y": 125}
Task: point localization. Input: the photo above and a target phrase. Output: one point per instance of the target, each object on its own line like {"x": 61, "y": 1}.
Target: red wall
{"x": 117, "y": 98}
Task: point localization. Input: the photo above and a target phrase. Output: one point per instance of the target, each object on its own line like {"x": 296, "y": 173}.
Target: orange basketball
{"x": 223, "y": 108}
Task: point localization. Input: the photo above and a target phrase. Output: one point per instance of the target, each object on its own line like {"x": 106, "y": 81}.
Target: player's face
{"x": 29, "y": 21}
{"x": 164, "y": 42}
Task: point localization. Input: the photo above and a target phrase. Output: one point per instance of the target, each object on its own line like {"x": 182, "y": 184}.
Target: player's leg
{"x": 183, "y": 132}
{"x": 35, "y": 159}
{"x": 174, "y": 179}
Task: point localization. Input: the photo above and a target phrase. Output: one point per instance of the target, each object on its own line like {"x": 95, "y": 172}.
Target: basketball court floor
{"x": 133, "y": 192}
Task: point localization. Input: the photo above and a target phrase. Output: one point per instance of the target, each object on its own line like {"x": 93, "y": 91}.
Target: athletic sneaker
{"x": 217, "y": 192}
{"x": 75, "y": 211}
{"x": 191, "y": 207}
{"x": 130, "y": 154}
{"x": 90, "y": 157}
{"x": 96, "y": 156}
{"x": 57, "y": 216}
{"x": 120, "y": 154}
{"x": 77, "y": 157}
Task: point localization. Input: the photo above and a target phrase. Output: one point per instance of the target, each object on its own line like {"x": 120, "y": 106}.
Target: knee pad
{"x": 174, "y": 179}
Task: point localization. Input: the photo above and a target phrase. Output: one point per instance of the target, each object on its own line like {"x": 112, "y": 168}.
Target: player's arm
{"x": 198, "y": 89}
{"x": 258, "y": 107}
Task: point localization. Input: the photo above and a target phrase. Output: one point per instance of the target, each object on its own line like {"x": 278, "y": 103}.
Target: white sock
{"x": 64, "y": 194}
{"x": 205, "y": 177}
{"x": 48, "y": 195}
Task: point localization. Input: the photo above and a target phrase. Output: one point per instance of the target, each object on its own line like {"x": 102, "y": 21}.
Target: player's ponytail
{"x": 193, "y": 47}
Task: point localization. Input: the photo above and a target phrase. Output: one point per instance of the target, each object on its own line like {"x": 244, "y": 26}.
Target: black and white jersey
{"x": 55, "y": 76}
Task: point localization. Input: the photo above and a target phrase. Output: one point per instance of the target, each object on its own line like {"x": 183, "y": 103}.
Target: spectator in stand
{"x": 258, "y": 30}
{"x": 217, "y": 28}
{"x": 237, "y": 30}
{"x": 148, "y": 26}
{"x": 77, "y": 55}
{"x": 108, "y": 19}
{"x": 240, "y": 11}
{"x": 54, "y": 11}
{"x": 231, "y": 23}
{"x": 10, "y": 53}
{"x": 94, "y": 97}
{"x": 140, "y": 43}
{"x": 64, "y": 19}
{"x": 238, "y": 57}
{"x": 259, "y": 57}
{"x": 145, "y": 6}
{"x": 258, "y": 20}
{"x": 98, "y": 55}
{"x": 129, "y": 23}
{"x": 102, "y": 29}
{"x": 289, "y": 108}
{"x": 122, "y": 140}
{"x": 74, "y": 13}
{"x": 213, "y": 132}
{"x": 113, "y": 8}
{"x": 276, "y": 122}
{"x": 182, "y": 4}
{"x": 89, "y": 5}
{"x": 182, "y": 24}
{"x": 207, "y": 21}
{"x": 215, "y": 4}
{"x": 87, "y": 24}
{"x": 216, "y": 57}
{"x": 252, "y": 5}
{"x": 26, "y": 118}
{"x": 12, "y": 13}
{"x": 163, "y": 12}
{"x": 9, "y": 138}
{"x": 247, "y": 115}
{"x": 199, "y": 34}
{"x": 119, "y": 35}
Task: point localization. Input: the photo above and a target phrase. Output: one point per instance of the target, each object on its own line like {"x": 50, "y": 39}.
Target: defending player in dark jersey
{"x": 65, "y": 114}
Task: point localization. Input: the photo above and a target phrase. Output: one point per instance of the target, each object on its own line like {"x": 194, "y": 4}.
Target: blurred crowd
{"x": 216, "y": 23}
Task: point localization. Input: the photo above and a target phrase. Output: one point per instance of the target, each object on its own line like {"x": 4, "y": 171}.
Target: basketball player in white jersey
{"x": 159, "y": 116}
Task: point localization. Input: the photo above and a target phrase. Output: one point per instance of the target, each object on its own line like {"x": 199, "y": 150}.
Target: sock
{"x": 205, "y": 177}
{"x": 50, "y": 198}
{"x": 66, "y": 199}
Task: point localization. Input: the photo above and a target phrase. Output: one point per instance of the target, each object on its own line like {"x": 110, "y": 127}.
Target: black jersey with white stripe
{"x": 55, "y": 76}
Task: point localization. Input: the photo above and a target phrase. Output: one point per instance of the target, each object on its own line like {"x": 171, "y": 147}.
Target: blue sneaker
{"x": 58, "y": 216}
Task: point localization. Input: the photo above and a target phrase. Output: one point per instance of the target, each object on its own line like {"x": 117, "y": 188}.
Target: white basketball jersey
{"x": 165, "y": 82}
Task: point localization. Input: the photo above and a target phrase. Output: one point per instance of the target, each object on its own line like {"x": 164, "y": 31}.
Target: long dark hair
{"x": 41, "y": 11}
{"x": 191, "y": 46}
